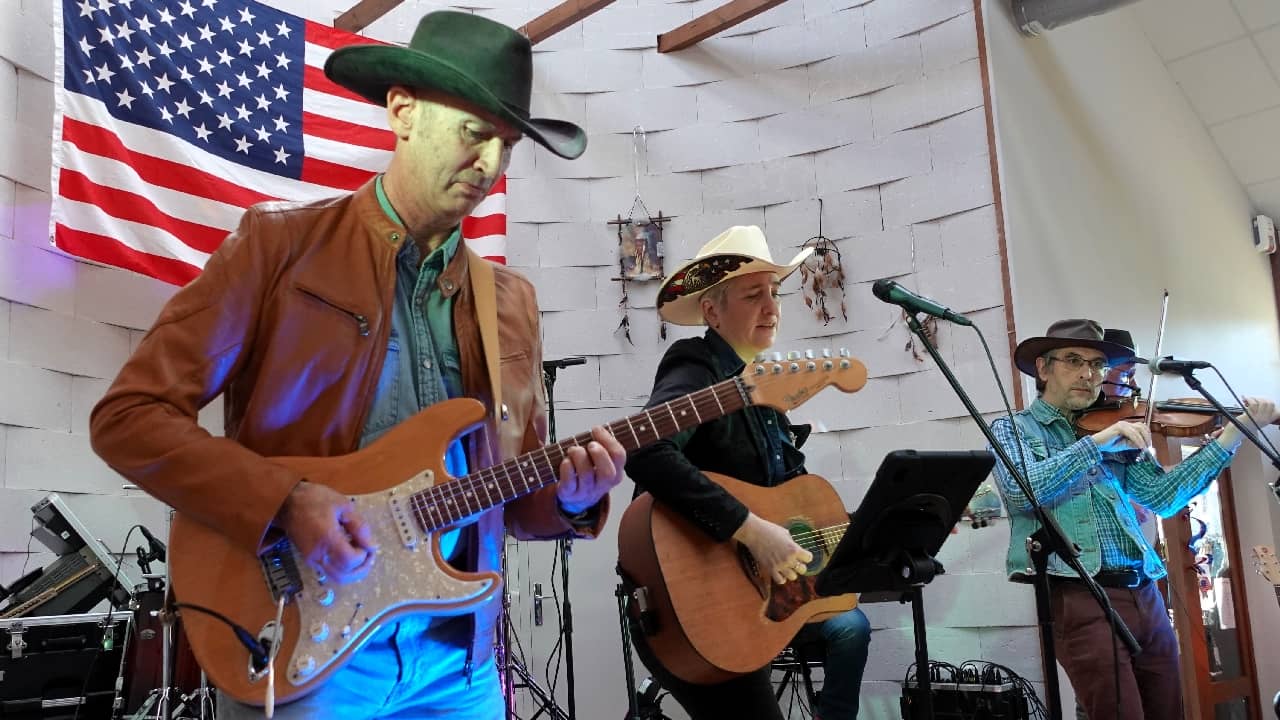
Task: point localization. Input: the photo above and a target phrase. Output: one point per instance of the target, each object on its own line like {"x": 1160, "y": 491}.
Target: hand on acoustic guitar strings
{"x": 328, "y": 531}
{"x": 774, "y": 550}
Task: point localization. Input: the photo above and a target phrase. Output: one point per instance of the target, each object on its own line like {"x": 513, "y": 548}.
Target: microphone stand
{"x": 1189, "y": 376}
{"x": 1048, "y": 540}
{"x": 565, "y": 545}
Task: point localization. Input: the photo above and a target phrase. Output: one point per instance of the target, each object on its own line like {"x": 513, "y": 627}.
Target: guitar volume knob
{"x": 304, "y": 666}
{"x": 319, "y": 631}
{"x": 325, "y": 598}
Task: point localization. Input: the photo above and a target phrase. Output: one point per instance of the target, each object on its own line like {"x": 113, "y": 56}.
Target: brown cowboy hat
{"x": 1069, "y": 333}
{"x": 467, "y": 56}
{"x": 740, "y": 250}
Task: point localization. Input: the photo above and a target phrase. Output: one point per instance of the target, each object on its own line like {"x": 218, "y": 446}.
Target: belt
{"x": 1127, "y": 579}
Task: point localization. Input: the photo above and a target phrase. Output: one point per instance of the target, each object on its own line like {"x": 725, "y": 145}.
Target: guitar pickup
{"x": 405, "y": 512}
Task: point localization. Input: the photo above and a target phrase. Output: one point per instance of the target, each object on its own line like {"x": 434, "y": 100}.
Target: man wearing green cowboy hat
{"x": 731, "y": 286}
{"x": 1088, "y": 485}
{"x": 326, "y": 324}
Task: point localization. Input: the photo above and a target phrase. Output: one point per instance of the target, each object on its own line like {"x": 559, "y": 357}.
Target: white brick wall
{"x": 872, "y": 106}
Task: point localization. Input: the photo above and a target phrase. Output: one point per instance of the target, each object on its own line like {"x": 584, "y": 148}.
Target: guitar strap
{"x": 482, "y": 286}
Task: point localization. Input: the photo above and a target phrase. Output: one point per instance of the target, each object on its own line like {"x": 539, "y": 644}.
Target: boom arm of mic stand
{"x": 1196, "y": 385}
{"x": 1056, "y": 540}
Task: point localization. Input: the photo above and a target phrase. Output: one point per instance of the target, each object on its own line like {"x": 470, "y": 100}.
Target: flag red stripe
{"x": 474, "y": 227}
{"x": 500, "y": 187}
{"x": 313, "y": 78}
{"x": 158, "y": 171}
{"x": 341, "y": 177}
{"x": 110, "y": 251}
{"x": 500, "y": 259}
{"x": 348, "y": 132}
{"x": 333, "y": 38}
{"x": 137, "y": 208}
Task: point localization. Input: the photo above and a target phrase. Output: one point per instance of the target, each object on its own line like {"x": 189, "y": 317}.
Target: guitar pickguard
{"x": 785, "y": 599}
{"x": 336, "y": 619}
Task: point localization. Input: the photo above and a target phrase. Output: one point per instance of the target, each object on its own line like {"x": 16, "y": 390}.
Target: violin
{"x": 1181, "y": 417}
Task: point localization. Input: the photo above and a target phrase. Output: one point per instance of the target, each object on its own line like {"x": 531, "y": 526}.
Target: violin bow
{"x": 1155, "y": 377}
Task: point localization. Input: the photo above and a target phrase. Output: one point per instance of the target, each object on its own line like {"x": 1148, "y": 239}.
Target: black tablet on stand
{"x": 908, "y": 512}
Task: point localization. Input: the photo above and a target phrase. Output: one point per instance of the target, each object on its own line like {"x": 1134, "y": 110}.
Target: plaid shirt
{"x": 1089, "y": 492}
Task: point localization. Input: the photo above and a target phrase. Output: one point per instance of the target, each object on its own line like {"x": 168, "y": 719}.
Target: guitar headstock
{"x": 1265, "y": 562}
{"x": 786, "y": 383}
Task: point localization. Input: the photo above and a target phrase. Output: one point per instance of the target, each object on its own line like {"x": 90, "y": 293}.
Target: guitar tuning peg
{"x": 777, "y": 357}
{"x": 760, "y": 357}
{"x": 793, "y": 355}
{"x": 808, "y": 354}
{"x": 844, "y": 352}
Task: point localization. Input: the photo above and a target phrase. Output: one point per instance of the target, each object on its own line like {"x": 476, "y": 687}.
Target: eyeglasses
{"x": 1077, "y": 363}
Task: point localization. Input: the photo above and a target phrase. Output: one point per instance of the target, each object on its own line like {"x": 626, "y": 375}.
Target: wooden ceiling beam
{"x": 560, "y": 17}
{"x": 716, "y": 21}
{"x": 363, "y": 14}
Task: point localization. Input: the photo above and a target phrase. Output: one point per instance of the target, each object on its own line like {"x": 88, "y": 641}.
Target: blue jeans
{"x": 848, "y": 638}
{"x": 405, "y": 671}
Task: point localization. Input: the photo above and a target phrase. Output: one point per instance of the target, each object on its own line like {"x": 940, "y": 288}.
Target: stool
{"x": 796, "y": 662}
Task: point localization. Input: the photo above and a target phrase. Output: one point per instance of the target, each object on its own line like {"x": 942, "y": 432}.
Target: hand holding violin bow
{"x": 1262, "y": 410}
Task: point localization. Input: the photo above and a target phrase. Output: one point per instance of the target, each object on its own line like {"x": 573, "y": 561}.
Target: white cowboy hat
{"x": 740, "y": 250}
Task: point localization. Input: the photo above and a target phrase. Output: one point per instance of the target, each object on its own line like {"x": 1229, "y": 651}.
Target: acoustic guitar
{"x": 711, "y": 614}
{"x": 400, "y": 487}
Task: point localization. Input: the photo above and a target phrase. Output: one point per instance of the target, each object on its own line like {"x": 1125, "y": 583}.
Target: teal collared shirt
{"x": 422, "y": 365}
{"x": 1088, "y": 492}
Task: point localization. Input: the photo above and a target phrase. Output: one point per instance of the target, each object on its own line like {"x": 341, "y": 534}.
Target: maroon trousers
{"x": 1149, "y": 684}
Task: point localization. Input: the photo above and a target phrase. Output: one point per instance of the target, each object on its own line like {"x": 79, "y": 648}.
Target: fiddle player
{"x": 1087, "y": 484}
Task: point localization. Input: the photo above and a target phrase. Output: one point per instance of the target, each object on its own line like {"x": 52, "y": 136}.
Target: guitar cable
{"x": 260, "y": 653}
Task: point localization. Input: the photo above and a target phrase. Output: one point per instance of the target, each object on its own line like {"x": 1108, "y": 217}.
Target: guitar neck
{"x": 449, "y": 503}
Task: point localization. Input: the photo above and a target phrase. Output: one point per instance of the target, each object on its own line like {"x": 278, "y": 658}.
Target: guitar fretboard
{"x": 449, "y": 503}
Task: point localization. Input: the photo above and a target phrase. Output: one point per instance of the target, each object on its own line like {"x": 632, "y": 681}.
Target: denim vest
{"x": 1072, "y": 507}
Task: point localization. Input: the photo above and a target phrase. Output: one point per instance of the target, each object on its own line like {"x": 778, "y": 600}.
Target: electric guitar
{"x": 1265, "y": 562}
{"x": 400, "y": 487}
{"x": 709, "y": 612}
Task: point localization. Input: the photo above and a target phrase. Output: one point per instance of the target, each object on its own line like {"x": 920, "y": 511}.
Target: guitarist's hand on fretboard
{"x": 773, "y": 549}
{"x": 328, "y": 532}
{"x": 588, "y": 474}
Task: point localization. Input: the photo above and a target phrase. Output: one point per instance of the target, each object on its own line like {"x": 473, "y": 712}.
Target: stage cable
{"x": 108, "y": 626}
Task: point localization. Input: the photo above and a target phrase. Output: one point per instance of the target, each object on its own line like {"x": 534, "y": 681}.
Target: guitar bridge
{"x": 280, "y": 570}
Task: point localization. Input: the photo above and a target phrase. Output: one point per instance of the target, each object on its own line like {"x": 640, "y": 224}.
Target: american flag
{"x": 171, "y": 117}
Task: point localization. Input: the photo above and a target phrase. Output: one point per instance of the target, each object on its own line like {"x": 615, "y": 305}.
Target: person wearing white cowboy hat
{"x": 731, "y": 285}
{"x": 1089, "y": 485}
{"x": 327, "y": 324}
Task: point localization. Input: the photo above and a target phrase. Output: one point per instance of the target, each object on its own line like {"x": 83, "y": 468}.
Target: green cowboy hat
{"x": 467, "y": 56}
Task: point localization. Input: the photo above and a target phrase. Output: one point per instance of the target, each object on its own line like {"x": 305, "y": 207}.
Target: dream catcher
{"x": 640, "y": 254}
{"x": 821, "y": 275}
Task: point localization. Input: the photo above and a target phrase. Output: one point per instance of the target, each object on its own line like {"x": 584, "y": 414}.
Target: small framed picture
{"x": 640, "y": 250}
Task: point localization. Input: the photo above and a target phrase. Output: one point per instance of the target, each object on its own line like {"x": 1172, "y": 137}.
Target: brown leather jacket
{"x": 289, "y": 321}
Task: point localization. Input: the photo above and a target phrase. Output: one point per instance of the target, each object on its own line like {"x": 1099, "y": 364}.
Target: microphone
{"x": 563, "y": 363}
{"x": 157, "y": 548}
{"x": 1169, "y": 366}
{"x": 894, "y": 294}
